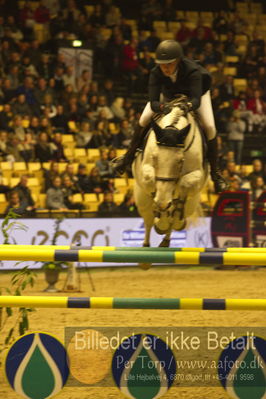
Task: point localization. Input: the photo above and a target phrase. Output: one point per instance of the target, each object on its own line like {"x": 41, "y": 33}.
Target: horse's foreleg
{"x": 146, "y": 242}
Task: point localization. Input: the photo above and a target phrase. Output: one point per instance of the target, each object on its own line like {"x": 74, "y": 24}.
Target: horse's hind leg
{"x": 166, "y": 241}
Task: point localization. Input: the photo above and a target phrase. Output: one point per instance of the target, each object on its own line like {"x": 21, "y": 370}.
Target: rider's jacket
{"x": 192, "y": 80}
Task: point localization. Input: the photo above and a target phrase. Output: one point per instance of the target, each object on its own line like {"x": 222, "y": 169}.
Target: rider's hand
{"x": 186, "y": 107}
{"x": 165, "y": 109}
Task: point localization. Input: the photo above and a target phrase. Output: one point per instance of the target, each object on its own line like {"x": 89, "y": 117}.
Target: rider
{"x": 174, "y": 74}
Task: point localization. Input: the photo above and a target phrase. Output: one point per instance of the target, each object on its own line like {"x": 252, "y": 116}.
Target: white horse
{"x": 170, "y": 173}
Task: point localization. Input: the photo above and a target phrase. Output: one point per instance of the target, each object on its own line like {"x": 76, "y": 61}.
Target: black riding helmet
{"x": 168, "y": 51}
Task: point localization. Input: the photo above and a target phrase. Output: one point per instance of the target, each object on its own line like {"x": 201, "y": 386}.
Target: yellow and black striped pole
{"x": 44, "y": 254}
{"x": 132, "y": 303}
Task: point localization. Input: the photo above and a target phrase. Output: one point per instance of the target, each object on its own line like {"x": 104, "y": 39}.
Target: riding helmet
{"x": 168, "y": 51}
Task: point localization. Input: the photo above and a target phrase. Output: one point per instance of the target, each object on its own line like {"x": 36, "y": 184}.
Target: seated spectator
{"x": 69, "y": 171}
{"x": 257, "y": 170}
{"x": 18, "y": 129}
{"x": 258, "y": 107}
{"x": 231, "y": 168}
{"x": 55, "y": 196}
{"x": 15, "y": 204}
{"x": 184, "y": 34}
{"x": 234, "y": 184}
{"x": 243, "y": 174}
{"x": 96, "y": 184}
{"x": 240, "y": 104}
{"x": 50, "y": 174}
{"x": 21, "y": 107}
{"x": 83, "y": 179}
{"x": 230, "y": 45}
{"x": 13, "y": 148}
{"x": 151, "y": 42}
{"x": 235, "y": 135}
{"x": 130, "y": 65}
{"x": 112, "y": 154}
{"x": 113, "y": 16}
{"x": 150, "y": 11}
{"x": 221, "y": 109}
{"x": 257, "y": 187}
{"x": 146, "y": 64}
{"x": 117, "y": 109}
{"x": 4, "y": 148}
{"x": 27, "y": 148}
{"x": 218, "y": 77}
{"x": 60, "y": 120}
{"x": 227, "y": 89}
{"x": 198, "y": 41}
{"x": 70, "y": 188}
{"x": 108, "y": 206}
{"x": 220, "y": 23}
{"x": 58, "y": 148}
{"x": 43, "y": 148}
{"x": 128, "y": 206}
{"x": 6, "y": 117}
{"x": 34, "y": 126}
{"x": 208, "y": 33}
{"x": 108, "y": 91}
{"x": 84, "y": 135}
{"x": 25, "y": 195}
{"x": 48, "y": 107}
{"x": 103, "y": 165}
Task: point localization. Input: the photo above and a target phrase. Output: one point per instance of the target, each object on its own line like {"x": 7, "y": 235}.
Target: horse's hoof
{"x": 145, "y": 266}
{"x": 145, "y": 245}
{"x": 165, "y": 243}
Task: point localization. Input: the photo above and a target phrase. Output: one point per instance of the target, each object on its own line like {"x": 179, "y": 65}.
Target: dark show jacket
{"x": 192, "y": 80}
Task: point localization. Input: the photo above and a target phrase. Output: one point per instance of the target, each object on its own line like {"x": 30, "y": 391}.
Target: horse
{"x": 170, "y": 173}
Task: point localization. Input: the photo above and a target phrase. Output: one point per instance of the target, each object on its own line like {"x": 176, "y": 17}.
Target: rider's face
{"x": 169, "y": 69}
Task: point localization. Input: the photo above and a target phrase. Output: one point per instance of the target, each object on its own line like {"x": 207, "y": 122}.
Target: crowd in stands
{"x": 43, "y": 100}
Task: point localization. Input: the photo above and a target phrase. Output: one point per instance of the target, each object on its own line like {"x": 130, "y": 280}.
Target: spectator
{"x": 25, "y": 195}
{"x": 184, "y": 34}
{"x": 69, "y": 188}
{"x": 258, "y": 107}
{"x": 55, "y": 196}
{"x": 257, "y": 187}
{"x": 240, "y": 104}
{"x": 27, "y": 147}
{"x": 96, "y": 184}
{"x": 257, "y": 170}
{"x": 58, "y": 148}
{"x": 128, "y": 206}
{"x": 50, "y": 174}
{"x": 84, "y": 135}
{"x": 108, "y": 206}
{"x": 15, "y": 205}
{"x": 235, "y": 130}
{"x": 227, "y": 89}
{"x": 118, "y": 109}
{"x": 43, "y": 148}
{"x": 83, "y": 179}
{"x": 103, "y": 165}
{"x": 21, "y": 107}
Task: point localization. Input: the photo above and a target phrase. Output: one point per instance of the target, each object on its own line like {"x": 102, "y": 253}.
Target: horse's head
{"x": 171, "y": 138}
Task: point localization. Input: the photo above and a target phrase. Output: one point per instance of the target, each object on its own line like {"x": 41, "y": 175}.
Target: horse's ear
{"x": 157, "y": 130}
{"x": 184, "y": 132}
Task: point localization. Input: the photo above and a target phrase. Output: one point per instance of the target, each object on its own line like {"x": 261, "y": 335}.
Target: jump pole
{"x": 144, "y": 249}
{"x": 178, "y": 258}
{"x": 133, "y": 303}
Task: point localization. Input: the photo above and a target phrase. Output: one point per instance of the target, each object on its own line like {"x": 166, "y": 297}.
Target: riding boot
{"x": 212, "y": 156}
{"x": 120, "y": 164}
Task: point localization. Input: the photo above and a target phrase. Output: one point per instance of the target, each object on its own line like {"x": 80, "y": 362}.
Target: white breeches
{"x": 205, "y": 113}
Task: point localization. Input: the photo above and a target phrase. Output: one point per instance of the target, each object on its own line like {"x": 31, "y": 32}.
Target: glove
{"x": 185, "y": 107}
{"x": 165, "y": 109}
{"x": 161, "y": 108}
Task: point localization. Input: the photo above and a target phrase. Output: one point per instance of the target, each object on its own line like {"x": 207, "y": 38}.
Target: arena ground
{"x": 156, "y": 282}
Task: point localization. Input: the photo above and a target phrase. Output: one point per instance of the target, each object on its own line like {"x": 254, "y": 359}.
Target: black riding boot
{"x": 212, "y": 156}
{"x": 120, "y": 164}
